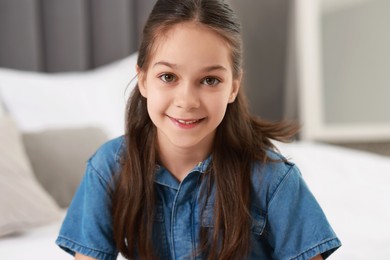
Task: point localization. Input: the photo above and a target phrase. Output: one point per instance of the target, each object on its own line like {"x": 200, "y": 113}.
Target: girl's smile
{"x": 186, "y": 123}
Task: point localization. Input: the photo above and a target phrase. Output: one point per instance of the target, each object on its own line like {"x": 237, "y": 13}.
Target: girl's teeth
{"x": 187, "y": 122}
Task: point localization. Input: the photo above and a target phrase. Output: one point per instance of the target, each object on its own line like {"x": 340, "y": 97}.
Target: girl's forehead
{"x": 190, "y": 41}
{"x": 189, "y": 30}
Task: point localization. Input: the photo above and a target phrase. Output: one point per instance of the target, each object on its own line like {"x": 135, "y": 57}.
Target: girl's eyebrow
{"x": 214, "y": 67}
{"x": 175, "y": 66}
{"x": 165, "y": 63}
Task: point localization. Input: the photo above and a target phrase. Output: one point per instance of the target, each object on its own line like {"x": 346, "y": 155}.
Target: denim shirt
{"x": 287, "y": 221}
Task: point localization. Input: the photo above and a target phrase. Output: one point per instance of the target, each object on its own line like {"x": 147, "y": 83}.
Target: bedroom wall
{"x": 356, "y": 61}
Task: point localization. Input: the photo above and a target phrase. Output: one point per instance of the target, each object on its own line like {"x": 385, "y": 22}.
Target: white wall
{"x": 356, "y": 63}
{"x": 334, "y": 5}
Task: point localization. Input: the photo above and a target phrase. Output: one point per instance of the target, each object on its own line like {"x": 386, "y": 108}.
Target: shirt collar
{"x": 164, "y": 177}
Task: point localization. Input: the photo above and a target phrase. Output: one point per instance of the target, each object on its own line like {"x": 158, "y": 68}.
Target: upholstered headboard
{"x": 71, "y": 35}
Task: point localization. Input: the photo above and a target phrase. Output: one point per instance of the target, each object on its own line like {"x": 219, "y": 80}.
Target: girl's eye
{"x": 167, "y": 78}
{"x": 210, "y": 81}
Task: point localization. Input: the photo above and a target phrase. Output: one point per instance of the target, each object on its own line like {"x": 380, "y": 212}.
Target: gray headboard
{"x": 76, "y": 35}
{"x": 71, "y": 35}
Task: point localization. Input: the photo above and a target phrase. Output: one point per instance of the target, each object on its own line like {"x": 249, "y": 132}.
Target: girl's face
{"x": 188, "y": 85}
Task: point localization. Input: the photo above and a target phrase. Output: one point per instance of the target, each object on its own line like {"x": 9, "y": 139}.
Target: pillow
{"x": 23, "y": 202}
{"x": 58, "y": 158}
{"x": 96, "y": 98}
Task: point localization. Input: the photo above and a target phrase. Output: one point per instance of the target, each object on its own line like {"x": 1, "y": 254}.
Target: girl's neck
{"x": 180, "y": 165}
{"x": 179, "y": 162}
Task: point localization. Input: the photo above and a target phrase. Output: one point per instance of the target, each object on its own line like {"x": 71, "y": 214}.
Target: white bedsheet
{"x": 35, "y": 244}
{"x": 352, "y": 187}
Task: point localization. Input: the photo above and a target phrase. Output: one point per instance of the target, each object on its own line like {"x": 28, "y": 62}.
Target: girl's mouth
{"x": 186, "y": 123}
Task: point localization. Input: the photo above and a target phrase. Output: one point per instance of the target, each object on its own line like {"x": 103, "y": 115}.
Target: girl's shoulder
{"x": 268, "y": 177}
{"x": 111, "y": 149}
{"x": 276, "y": 166}
{"x": 106, "y": 160}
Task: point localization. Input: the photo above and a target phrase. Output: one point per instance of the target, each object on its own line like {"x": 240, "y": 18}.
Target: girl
{"x": 195, "y": 176}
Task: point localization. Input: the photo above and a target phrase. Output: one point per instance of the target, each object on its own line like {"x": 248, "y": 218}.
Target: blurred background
{"x": 339, "y": 50}
{"x": 78, "y": 35}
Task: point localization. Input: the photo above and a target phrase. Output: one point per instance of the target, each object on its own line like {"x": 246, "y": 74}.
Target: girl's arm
{"x": 83, "y": 257}
{"x": 319, "y": 257}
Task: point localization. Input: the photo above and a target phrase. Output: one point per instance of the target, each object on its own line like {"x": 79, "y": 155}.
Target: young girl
{"x": 195, "y": 176}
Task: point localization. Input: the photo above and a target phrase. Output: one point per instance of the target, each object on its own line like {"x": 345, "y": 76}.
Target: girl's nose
{"x": 187, "y": 97}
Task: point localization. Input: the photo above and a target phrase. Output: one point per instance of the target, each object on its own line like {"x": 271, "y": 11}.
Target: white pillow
{"x": 23, "y": 202}
{"x": 96, "y": 98}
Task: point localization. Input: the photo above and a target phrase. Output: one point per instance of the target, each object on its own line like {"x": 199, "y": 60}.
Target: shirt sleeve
{"x": 87, "y": 228}
{"x": 297, "y": 227}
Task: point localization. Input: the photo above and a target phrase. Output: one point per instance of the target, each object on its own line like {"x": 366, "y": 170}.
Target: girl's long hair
{"x": 241, "y": 140}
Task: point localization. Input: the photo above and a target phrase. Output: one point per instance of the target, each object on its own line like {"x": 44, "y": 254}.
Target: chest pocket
{"x": 258, "y": 219}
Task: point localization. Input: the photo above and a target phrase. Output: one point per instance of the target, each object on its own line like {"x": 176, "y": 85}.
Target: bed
{"x": 55, "y": 112}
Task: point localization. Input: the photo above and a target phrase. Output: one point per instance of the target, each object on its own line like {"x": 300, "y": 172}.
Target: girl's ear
{"x": 141, "y": 81}
{"x": 235, "y": 88}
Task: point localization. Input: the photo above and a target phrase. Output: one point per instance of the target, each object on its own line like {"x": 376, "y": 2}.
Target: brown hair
{"x": 241, "y": 139}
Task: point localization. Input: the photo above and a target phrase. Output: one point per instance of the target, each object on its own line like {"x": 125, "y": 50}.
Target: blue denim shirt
{"x": 288, "y": 223}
